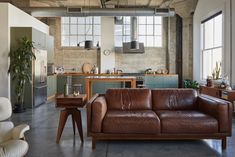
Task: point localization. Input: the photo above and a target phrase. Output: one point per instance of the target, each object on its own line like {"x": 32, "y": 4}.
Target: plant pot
{"x": 19, "y": 108}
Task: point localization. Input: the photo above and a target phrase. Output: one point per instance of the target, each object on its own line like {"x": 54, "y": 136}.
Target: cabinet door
{"x": 50, "y": 49}
{"x": 49, "y": 86}
{"x": 54, "y": 84}
{"x": 61, "y": 81}
{"x": 39, "y": 39}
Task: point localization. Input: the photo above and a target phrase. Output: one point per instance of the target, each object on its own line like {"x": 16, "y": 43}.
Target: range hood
{"x": 134, "y": 46}
{"x": 127, "y": 48}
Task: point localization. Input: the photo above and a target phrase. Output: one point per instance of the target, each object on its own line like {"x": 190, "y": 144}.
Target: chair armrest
{"x": 98, "y": 111}
{"x": 219, "y": 109}
{"x": 18, "y": 131}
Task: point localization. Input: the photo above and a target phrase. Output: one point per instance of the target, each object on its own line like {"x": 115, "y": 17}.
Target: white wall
{"x": 204, "y": 9}
{"x": 4, "y": 50}
{"x": 18, "y": 18}
{"x": 233, "y": 42}
{"x": 107, "y": 42}
{"x": 12, "y": 17}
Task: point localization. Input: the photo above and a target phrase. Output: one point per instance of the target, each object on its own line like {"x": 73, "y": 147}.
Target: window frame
{"x": 77, "y": 35}
{"x": 203, "y": 39}
{"x": 145, "y": 35}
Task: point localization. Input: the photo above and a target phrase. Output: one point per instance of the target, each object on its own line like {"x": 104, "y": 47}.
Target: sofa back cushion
{"x": 128, "y": 99}
{"x": 174, "y": 99}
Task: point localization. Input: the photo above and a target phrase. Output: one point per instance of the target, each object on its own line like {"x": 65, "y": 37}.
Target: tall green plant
{"x": 21, "y": 58}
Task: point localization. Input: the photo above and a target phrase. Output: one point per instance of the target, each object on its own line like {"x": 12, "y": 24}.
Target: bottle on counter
{"x": 66, "y": 89}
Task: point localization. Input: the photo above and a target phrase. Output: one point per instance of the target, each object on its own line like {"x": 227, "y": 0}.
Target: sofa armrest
{"x": 88, "y": 106}
{"x": 98, "y": 111}
{"x": 219, "y": 109}
{"x": 18, "y": 131}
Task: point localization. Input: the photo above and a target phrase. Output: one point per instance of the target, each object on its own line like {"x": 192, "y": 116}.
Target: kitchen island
{"x": 90, "y": 79}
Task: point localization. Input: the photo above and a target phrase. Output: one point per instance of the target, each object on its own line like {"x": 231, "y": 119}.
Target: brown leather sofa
{"x": 159, "y": 114}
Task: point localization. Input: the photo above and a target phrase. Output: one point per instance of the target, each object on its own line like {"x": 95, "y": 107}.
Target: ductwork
{"x": 63, "y": 11}
{"x": 134, "y": 46}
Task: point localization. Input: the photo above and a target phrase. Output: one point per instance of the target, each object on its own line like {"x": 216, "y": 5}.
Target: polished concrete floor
{"x": 42, "y": 136}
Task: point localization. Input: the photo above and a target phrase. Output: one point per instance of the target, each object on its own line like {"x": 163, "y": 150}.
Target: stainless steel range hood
{"x": 138, "y": 47}
{"x": 126, "y": 48}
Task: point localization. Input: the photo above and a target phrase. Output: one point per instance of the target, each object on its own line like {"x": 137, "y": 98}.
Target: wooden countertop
{"x": 111, "y": 78}
{"x": 104, "y": 74}
{"x": 87, "y": 74}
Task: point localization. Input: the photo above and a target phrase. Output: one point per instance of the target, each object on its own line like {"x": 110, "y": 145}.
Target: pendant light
{"x": 88, "y": 43}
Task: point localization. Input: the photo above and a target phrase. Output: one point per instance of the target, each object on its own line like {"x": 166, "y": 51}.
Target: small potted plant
{"x": 21, "y": 58}
{"x": 191, "y": 84}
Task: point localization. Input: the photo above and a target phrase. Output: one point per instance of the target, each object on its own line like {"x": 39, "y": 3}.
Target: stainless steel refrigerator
{"x": 40, "y": 78}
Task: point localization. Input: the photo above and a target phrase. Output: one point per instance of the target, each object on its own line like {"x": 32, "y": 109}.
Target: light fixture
{"x": 135, "y": 45}
{"x": 88, "y": 44}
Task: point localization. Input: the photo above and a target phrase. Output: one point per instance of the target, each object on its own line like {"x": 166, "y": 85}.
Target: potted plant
{"x": 21, "y": 58}
{"x": 191, "y": 84}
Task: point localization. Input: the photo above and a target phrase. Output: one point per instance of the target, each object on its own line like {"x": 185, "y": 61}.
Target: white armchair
{"x": 12, "y": 142}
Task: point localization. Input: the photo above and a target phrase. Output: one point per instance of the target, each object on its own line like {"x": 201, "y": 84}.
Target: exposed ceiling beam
{"x": 149, "y": 2}
{"x": 103, "y": 3}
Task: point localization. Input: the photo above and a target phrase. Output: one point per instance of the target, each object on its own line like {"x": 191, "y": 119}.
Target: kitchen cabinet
{"x": 39, "y": 39}
{"x": 61, "y": 81}
{"x": 161, "y": 81}
{"x": 101, "y": 87}
{"x": 51, "y": 85}
{"x": 50, "y": 49}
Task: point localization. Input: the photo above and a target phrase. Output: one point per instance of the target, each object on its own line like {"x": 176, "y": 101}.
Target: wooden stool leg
{"x": 63, "y": 118}
{"x": 224, "y": 143}
{"x": 78, "y": 119}
{"x": 74, "y": 128}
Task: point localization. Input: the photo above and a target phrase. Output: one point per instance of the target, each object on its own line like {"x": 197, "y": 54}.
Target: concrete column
{"x": 187, "y": 48}
{"x": 107, "y": 62}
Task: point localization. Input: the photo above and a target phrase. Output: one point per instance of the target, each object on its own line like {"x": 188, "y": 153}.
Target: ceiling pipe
{"x": 60, "y": 12}
{"x": 134, "y": 42}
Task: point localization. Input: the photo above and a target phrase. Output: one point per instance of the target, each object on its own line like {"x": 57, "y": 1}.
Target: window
{"x": 79, "y": 29}
{"x": 149, "y": 31}
{"x": 211, "y": 33}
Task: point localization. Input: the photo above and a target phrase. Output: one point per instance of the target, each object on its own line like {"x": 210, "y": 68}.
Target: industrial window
{"x": 149, "y": 31}
{"x": 79, "y": 29}
{"x": 211, "y": 45}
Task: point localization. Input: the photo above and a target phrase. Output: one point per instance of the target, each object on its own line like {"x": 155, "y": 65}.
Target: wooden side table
{"x": 70, "y": 104}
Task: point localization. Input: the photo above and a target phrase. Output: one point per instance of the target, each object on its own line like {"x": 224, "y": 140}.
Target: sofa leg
{"x": 93, "y": 143}
{"x": 224, "y": 143}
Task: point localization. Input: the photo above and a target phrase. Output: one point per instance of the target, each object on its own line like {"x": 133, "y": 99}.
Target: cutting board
{"x": 87, "y": 67}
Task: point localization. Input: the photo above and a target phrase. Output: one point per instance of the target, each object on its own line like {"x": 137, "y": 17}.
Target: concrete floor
{"x": 42, "y": 136}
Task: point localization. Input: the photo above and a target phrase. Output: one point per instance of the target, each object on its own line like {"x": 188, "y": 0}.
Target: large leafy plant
{"x": 21, "y": 58}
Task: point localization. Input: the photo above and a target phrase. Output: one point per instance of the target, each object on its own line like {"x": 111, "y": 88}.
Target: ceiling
{"x": 182, "y": 7}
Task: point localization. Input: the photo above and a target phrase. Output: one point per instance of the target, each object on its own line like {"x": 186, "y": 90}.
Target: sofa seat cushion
{"x": 187, "y": 122}
{"x": 131, "y": 122}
